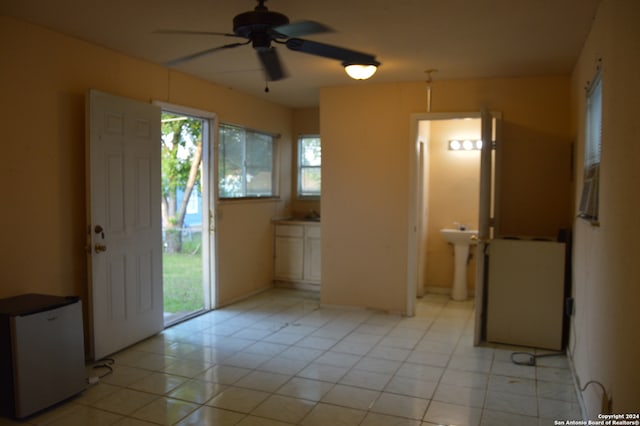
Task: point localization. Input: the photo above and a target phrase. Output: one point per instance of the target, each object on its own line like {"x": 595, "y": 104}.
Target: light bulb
{"x": 360, "y": 71}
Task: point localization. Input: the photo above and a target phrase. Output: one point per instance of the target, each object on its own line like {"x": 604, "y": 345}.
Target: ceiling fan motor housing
{"x": 255, "y": 25}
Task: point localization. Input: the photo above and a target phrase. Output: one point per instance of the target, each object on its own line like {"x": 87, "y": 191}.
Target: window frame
{"x": 590, "y": 196}
{"x": 301, "y": 167}
{"x": 274, "y": 193}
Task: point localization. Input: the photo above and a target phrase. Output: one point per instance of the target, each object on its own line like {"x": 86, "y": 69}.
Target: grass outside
{"x": 182, "y": 279}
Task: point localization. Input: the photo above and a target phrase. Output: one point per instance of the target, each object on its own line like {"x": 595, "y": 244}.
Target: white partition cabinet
{"x": 525, "y": 295}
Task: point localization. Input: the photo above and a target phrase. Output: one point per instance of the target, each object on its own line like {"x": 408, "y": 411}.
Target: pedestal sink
{"x": 461, "y": 240}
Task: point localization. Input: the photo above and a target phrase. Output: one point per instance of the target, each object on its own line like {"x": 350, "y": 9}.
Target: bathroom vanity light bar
{"x": 465, "y": 145}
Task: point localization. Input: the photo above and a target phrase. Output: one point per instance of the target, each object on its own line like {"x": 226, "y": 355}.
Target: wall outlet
{"x": 570, "y": 306}
{"x": 607, "y": 404}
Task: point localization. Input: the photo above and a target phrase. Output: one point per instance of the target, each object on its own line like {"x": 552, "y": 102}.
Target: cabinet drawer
{"x": 312, "y": 231}
{"x": 289, "y": 230}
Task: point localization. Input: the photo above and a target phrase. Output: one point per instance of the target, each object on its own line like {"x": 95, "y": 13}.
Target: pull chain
{"x": 429, "y": 81}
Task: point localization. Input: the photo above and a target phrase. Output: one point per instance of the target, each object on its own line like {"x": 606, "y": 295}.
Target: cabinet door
{"x": 289, "y": 258}
{"x": 312, "y": 263}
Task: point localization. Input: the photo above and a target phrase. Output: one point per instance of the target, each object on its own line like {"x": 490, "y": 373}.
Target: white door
{"x": 124, "y": 222}
{"x": 487, "y": 215}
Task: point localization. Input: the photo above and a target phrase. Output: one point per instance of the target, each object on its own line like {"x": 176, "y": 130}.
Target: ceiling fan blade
{"x": 301, "y": 28}
{"x": 330, "y": 51}
{"x": 271, "y": 63}
{"x": 189, "y": 32}
{"x": 192, "y": 56}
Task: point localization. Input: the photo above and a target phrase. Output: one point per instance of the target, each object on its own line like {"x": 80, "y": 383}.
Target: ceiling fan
{"x": 262, "y": 27}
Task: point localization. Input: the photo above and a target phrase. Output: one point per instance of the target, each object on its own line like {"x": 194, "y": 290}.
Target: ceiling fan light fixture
{"x": 361, "y": 71}
{"x": 262, "y": 27}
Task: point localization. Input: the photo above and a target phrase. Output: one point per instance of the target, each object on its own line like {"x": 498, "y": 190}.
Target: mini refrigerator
{"x": 41, "y": 352}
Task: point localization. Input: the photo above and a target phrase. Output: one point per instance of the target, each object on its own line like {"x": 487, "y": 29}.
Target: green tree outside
{"x": 181, "y": 165}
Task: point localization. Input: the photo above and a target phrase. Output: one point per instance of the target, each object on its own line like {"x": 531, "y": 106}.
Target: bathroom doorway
{"x": 450, "y": 188}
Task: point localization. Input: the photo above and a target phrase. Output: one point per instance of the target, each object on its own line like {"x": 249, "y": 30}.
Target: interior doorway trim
{"x": 415, "y": 224}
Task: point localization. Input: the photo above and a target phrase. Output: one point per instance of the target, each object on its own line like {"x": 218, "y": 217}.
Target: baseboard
{"x": 437, "y": 290}
{"x": 345, "y": 308}
{"x": 243, "y": 297}
{"x": 297, "y": 285}
{"x": 443, "y": 290}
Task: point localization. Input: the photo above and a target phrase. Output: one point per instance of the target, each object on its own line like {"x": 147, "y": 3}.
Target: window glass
{"x": 259, "y": 160}
{"x": 245, "y": 163}
{"x": 593, "y": 141}
{"x": 309, "y": 166}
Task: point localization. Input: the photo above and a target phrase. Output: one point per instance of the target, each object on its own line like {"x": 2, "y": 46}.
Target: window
{"x": 245, "y": 163}
{"x": 309, "y": 166}
{"x": 593, "y": 142}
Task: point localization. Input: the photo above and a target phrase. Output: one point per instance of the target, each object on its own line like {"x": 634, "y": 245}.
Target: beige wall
{"x": 365, "y": 134}
{"x": 365, "y": 131}
{"x": 45, "y": 76}
{"x": 453, "y": 196}
{"x": 605, "y": 344}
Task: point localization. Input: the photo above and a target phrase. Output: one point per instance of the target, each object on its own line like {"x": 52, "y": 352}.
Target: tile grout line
{"x": 293, "y": 311}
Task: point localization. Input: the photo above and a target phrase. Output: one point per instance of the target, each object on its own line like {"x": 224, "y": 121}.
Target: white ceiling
{"x": 459, "y": 38}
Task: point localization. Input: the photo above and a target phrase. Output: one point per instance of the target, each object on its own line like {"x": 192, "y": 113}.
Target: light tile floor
{"x": 279, "y": 359}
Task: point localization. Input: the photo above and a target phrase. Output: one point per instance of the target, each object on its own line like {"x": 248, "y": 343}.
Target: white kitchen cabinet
{"x": 297, "y": 254}
{"x": 289, "y": 258}
{"x": 312, "y": 257}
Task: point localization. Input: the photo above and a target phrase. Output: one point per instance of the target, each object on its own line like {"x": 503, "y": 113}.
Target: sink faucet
{"x": 459, "y": 226}
{"x": 313, "y": 214}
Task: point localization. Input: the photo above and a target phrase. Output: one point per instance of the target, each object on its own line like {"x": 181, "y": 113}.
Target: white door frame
{"x": 488, "y": 220}
{"x": 209, "y": 250}
{"x": 415, "y": 223}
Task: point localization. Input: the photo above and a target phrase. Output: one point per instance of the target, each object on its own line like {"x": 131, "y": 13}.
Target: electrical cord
{"x": 593, "y": 382}
{"x": 105, "y": 363}
{"x": 606, "y": 404}
{"x": 531, "y": 360}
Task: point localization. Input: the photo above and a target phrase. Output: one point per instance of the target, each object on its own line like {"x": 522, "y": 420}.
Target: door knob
{"x": 100, "y": 248}
{"x": 99, "y": 230}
